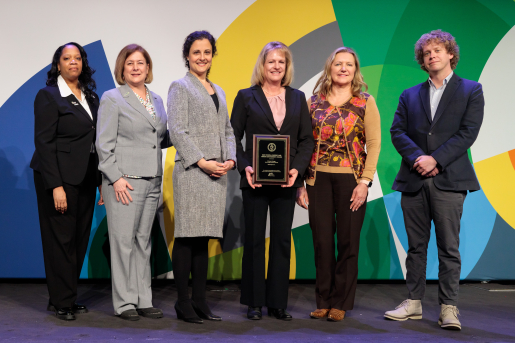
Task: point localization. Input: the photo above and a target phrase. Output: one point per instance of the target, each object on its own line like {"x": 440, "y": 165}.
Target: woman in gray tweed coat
{"x": 202, "y": 134}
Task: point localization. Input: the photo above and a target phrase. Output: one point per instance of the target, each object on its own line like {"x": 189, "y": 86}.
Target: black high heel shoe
{"x": 204, "y": 312}
{"x": 186, "y": 312}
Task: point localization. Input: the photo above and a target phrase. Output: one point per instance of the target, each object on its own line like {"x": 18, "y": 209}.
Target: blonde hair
{"x": 122, "y": 57}
{"x": 258, "y": 74}
{"x": 325, "y": 82}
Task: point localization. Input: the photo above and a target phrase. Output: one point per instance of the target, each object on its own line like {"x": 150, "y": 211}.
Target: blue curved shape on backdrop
{"x": 21, "y": 253}
{"x": 476, "y": 227}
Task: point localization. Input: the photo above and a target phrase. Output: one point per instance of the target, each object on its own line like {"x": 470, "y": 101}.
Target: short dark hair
{"x": 192, "y": 37}
{"x": 86, "y": 82}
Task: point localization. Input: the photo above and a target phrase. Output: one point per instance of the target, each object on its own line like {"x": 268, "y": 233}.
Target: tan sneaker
{"x": 449, "y": 317}
{"x": 408, "y": 309}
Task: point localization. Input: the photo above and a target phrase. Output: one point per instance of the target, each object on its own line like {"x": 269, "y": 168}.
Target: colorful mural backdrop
{"x": 383, "y": 34}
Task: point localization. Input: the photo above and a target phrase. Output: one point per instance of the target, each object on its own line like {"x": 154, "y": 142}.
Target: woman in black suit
{"x": 66, "y": 175}
{"x": 270, "y": 107}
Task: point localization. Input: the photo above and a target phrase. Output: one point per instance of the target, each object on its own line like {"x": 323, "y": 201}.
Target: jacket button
{"x": 93, "y": 127}
{"x": 154, "y": 130}
{"x": 112, "y": 150}
{"x": 430, "y": 133}
{"x": 154, "y": 147}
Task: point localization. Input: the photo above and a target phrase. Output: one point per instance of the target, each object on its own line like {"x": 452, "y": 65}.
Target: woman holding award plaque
{"x": 338, "y": 178}
{"x": 267, "y": 109}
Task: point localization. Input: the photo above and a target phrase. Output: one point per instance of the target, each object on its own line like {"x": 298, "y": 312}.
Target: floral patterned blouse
{"x": 147, "y": 103}
{"x": 339, "y": 133}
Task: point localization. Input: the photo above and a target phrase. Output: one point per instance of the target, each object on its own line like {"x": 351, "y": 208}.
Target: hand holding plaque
{"x": 271, "y": 159}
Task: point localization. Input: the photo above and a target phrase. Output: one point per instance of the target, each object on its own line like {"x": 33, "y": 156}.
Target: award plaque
{"x": 271, "y": 159}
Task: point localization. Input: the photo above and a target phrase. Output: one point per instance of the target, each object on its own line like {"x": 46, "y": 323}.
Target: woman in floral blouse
{"x": 345, "y": 120}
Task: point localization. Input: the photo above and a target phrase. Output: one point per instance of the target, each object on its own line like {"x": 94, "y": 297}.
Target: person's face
{"x": 200, "y": 56}
{"x": 70, "y": 63}
{"x": 343, "y": 69}
{"x": 135, "y": 69}
{"x": 436, "y": 58}
{"x": 275, "y": 66}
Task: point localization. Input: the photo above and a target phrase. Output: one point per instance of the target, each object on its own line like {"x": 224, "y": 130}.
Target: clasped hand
{"x": 426, "y": 166}
{"x": 215, "y": 169}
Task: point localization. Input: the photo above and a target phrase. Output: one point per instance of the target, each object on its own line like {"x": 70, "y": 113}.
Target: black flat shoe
{"x": 64, "y": 313}
{"x": 76, "y": 308}
{"x": 131, "y": 315}
{"x": 254, "y": 313}
{"x": 279, "y": 313}
{"x": 203, "y": 311}
{"x": 186, "y": 312}
{"x": 150, "y": 312}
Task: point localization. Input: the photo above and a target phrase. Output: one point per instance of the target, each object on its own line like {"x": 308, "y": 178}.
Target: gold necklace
{"x": 271, "y": 93}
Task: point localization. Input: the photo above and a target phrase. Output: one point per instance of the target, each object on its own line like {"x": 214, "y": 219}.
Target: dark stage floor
{"x": 485, "y": 316}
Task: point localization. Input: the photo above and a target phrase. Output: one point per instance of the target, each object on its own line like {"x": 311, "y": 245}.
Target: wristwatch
{"x": 366, "y": 182}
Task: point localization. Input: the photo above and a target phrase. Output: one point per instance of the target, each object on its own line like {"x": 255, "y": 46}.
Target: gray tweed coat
{"x": 198, "y": 131}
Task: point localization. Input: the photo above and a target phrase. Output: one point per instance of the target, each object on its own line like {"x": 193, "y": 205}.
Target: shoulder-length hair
{"x": 123, "y": 55}
{"x": 258, "y": 75}
{"x": 86, "y": 82}
{"x": 437, "y": 36}
{"x": 325, "y": 82}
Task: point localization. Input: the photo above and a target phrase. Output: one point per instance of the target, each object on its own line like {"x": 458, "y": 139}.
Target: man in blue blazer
{"x": 435, "y": 124}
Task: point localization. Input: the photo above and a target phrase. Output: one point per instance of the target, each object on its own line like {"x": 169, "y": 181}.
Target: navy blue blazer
{"x": 63, "y": 135}
{"x": 447, "y": 137}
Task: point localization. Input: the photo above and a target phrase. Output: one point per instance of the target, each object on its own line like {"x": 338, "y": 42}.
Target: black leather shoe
{"x": 203, "y": 311}
{"x": 76, "y": 308}
{"x": 186, "y": 312}
{"x": 254, "y": 313}
{"x": 279, "y": 313}
{"x": 64, "y": 313}
{"x": 131, "y": 315}
{"x": 150, "y": 312}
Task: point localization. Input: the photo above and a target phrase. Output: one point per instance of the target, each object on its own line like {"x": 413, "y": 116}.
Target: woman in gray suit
{"x": 200, "y": 129}
{"x": 131, "y": 132}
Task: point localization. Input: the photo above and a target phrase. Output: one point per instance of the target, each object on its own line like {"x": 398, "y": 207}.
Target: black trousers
{"x": 330, "y": 213}
{"x": 190, "y": 255}
{"x": 255, "y": 289}
{"x": 65, "y": 236}
{"x": 445, "y": 209}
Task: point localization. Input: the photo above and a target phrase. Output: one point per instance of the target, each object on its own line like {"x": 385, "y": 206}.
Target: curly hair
{"x": 437, "y": 36}
{"x": 188, "y": 42}
{"x": 258, "y": 74}
{"x": 86, "y": 82}
{"x": 325, "y": 82}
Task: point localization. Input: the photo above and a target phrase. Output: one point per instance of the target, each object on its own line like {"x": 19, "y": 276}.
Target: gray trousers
{"x": 445, "y": 209}
{"x": 129, "y": 228}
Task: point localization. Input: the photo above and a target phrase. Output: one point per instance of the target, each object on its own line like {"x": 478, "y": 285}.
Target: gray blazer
{"x": 198, "y": 131}
{"x": 129, "y": 141}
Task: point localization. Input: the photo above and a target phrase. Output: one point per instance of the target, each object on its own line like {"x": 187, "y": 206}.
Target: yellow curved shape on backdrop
{"x": 238, "y": 48}
{"x": 500, "y": 191}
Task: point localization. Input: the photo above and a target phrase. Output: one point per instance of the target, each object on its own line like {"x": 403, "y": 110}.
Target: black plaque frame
{"x": 259, "y": 157}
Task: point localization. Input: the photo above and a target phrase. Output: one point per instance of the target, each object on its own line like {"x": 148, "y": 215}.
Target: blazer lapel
{"x": 260, "y": 97}
{"x": 447, "y": 95}
{"x": 290, "y": 107}
{"x": 76, "y": 105}
{"x": 93, "y": 107}
{"x": 131, "y": 99}
{"x": 424, "y": 97}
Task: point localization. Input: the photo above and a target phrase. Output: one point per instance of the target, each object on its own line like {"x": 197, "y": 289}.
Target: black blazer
{"x": 447, "y": 137}
{"x": 251, "y": 115}
{"x": 63, "y": 134}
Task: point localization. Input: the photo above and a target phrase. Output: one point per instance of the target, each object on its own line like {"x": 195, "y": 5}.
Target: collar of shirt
{"x": 445, "y": 81}
{"x": 65, "y": 90}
